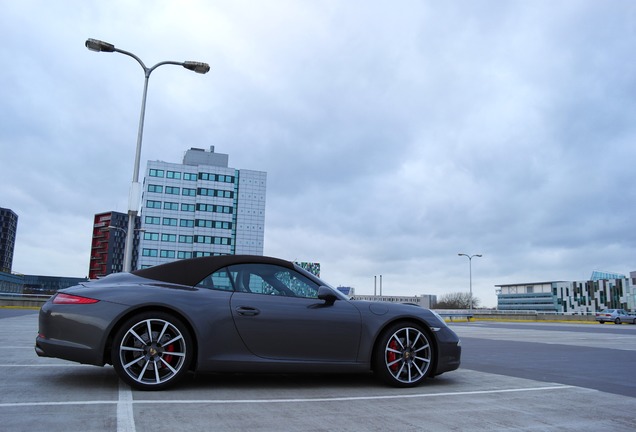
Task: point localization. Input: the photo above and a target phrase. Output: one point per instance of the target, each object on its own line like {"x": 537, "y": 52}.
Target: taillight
{"x": 62, "y": 298}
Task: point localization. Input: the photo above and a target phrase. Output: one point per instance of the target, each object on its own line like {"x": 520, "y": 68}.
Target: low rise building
{"x": 603, "y": 291}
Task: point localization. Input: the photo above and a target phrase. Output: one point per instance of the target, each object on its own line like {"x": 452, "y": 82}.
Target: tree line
{"x": 459, "y": 300}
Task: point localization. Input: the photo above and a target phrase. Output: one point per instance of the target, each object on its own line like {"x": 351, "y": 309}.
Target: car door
{"x": 278, "y": 316}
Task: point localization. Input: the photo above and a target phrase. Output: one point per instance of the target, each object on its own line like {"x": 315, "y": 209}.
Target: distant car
{"x": 239, "y": 313}
{"x": 617, "y": 316}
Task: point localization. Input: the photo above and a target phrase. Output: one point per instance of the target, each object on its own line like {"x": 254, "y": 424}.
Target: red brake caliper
{"x": 391, "y": 356}
{"x": 169, "y": 348}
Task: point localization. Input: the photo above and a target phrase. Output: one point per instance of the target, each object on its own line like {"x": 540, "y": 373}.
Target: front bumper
{"x": 449, "y": 351}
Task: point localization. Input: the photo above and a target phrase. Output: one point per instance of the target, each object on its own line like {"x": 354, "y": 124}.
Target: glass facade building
{"x": 571, "y": 298}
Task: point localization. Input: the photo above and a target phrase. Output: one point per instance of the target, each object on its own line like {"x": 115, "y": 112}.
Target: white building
{"x": 200, "y": 207}
{"x": 603, "y": 291}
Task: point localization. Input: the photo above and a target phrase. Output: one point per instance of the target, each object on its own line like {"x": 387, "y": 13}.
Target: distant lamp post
{"x": 135, "y": 189}
{"x": 123, "y": 231}
{"x": 115, "y": 228}
{"x": 470, "y": 273}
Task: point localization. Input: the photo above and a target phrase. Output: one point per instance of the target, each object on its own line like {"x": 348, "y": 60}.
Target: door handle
{"x": 247, "y": 311}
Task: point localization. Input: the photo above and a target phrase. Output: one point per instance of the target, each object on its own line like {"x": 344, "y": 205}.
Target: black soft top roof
{"x": 192, "y": 271}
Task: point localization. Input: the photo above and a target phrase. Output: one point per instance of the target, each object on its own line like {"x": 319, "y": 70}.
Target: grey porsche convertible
{"x": 239, "y": 313}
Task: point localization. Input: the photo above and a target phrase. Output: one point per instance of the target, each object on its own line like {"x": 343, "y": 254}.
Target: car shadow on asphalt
{"x": 105, "y": 378}
{"x": 238, "y": 381}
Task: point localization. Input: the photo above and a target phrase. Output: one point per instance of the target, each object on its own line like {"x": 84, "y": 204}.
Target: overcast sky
{"x": 395, "y": 134}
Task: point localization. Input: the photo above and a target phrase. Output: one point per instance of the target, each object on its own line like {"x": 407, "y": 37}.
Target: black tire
{"x": 601, "y": 322}
{"x": 617, "y": 321}
{"x": 404, "y": 355}
{"x": 152, "y": 351}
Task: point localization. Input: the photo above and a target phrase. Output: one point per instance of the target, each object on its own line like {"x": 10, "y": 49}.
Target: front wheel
{"x": 404, "y": 355}
{"x": 617, "y": 321}
{"x": 152, "y": 351}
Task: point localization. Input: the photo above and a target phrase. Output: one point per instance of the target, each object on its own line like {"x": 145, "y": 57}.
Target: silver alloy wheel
{"x": 152, "y": 352}
{"x": 407, "y": 355}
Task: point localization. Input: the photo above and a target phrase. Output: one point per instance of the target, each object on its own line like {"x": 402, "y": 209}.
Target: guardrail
{"x": 23, "y": 300}
{"x": 455, "y": 314}
{"x": 37, "y": 300}
{"x": 513, "y": 315}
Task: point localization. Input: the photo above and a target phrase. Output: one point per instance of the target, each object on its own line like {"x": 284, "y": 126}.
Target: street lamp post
{"x": 135, "y": 188}
{"x": 470, "y": 275}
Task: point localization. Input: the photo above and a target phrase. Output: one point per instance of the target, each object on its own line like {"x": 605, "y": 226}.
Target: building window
{"x": 151, "y": 236}
{"x": 173, "y": 175}
{"x": 170, "y": 206}
{"x": 203, "y": 239}
{"x": 186, "y": 239}
{"x": 155, "y": 188}
{"x": 153, "y": 220}
{"x": 170, "y": 221}
{"x": 187, "y": 207}
{"x": 184, "y": 255}
{"x": 168, "y": 237}
{"x": 171, "y": 190}
{"x": 189, "y": 192}
{"x": 188, "y": 223}
{"x": 153, "y": 204}
{"x": 190, "y": 176}
{"x": 167, "y": 254}
{"x": 215, "y": 193}
{"x": 155, "y": 173}
{"x": 214, "y": 208}
{"x": 206, "y": 223}
{"x": 216, "y": 177}
{"x": 149, "y": 252}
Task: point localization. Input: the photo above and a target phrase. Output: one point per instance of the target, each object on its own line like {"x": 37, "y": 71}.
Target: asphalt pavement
{"x": 535, "y": 377}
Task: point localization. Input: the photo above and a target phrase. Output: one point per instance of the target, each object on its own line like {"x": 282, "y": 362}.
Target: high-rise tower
{"x": 8, "y": 230}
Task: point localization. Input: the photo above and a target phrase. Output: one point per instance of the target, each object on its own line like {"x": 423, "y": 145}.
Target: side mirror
{"x": 327, "y": 295}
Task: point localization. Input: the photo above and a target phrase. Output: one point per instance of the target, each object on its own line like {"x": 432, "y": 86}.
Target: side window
{"x": 219, "y": 280}
{"x": 272, "y": 280}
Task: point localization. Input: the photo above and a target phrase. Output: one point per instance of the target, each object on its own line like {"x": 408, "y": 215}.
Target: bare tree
{"x": 460, "y": 300}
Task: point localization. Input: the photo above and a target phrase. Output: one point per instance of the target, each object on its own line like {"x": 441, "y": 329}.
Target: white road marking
{"x": 126, "y": 401}
{"x": 125, "y": 414}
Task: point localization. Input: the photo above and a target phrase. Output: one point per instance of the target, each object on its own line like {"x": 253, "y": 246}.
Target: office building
{"x": 8, "y": 230}
{"x": 200, "y": 207}
{"x": 603, "y": 291}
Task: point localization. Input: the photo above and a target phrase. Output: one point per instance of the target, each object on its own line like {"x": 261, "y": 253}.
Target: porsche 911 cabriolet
{"x": 239, "y": 313}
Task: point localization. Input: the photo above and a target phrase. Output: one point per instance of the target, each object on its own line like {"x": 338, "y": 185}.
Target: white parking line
{"x": 125, "y": 415}
{"x": 126, "y": 401}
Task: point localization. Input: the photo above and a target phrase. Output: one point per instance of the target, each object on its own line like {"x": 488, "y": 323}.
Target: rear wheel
{"x": 617, "y": 321}
{"x": 152, "y": 351}
{"x": 404, "y": 355}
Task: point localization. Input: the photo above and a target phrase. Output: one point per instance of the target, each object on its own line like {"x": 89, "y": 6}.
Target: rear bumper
{"x": 67, "y": 351}
{"x": 76, "y": 332}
